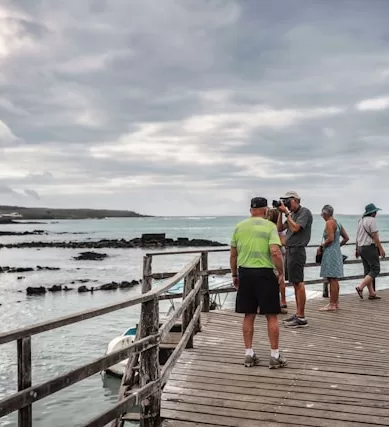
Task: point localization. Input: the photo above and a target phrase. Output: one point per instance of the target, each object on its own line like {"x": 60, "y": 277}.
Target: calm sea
{"x": 57, "y": 351}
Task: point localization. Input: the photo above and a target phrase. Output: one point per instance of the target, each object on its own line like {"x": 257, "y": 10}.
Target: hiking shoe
{"x": 280, "y": 362}
{"x": 296, "y": 323}
{"x": 250, "y": 361}
{"x": 289, "y": 319}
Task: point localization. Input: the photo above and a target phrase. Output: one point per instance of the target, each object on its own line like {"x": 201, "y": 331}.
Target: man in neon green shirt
{"x": 255, "y": 252}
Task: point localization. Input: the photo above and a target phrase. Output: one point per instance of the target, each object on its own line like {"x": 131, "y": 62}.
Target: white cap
{"x": 291, "y": 195}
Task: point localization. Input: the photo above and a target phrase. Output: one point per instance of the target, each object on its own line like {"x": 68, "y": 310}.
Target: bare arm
{"x": 234, "y": 261}
{"x": 345, "y": 237}
{"x": 377, "y": 241}
{"x": 276, "y": 257}
{"x": 292, "y": 225}
{"x": 330, "y": 230}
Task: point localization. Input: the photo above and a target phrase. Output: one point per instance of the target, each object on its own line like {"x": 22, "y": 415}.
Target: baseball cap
{"x": 291, "y": 195}
{"x": 258, "y": 202}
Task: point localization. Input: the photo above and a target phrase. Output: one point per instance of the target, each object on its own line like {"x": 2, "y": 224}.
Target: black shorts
{"x": 295, "y": 259}
{"x": 258, "y": 289}
{"x": 371, "y": 260}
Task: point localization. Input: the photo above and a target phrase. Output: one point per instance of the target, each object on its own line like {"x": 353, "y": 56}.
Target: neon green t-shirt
{"x": 252, "y": 238}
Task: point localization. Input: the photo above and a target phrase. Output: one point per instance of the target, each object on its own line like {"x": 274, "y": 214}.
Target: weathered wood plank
{"x": 205, "y": 283}
{"x": 149, "y": 364}
{"x": 13, "y": 335}
{"x": 165, "y": 328}
{"x": 34, "y": 393}
{"x": 24, "y": 378}
{"x": 124, "y": 405}
{"x": 332, "y": 369}
{"x": 169, "y": 365}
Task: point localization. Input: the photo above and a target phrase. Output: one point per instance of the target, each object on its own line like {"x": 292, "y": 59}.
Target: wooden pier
{"x": 337, "y": 374}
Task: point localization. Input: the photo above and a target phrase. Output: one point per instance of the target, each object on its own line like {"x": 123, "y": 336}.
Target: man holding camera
{"x": 298, "y": 227}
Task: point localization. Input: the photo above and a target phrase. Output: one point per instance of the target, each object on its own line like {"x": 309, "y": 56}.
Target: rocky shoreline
{"x": 149, "y": 241}
{"x": 112, "y": 286}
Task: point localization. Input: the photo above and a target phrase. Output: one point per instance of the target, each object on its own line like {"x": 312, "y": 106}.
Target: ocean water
{"x": 57, "y": 351}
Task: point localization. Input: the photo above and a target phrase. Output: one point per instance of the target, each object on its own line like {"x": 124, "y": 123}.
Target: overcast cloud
{"x": 192, "y": 107}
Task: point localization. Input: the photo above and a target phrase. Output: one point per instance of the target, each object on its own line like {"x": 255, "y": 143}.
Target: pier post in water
{"x": 24, "y": 378}
{"x": 205, "y": 284}
{"x": 149, "y": 363}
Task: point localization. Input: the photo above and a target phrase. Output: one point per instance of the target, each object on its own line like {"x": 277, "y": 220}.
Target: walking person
{"x": 255, "y": 251}
{"x": 272, "y": 216}
{"x": 369, "y": 248}
{"x": 298, "y": 227}
{"x": 332, "y": 258}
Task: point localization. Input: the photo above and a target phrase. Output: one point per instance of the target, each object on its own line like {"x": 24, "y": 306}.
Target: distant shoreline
{"x": 54, "y": 214}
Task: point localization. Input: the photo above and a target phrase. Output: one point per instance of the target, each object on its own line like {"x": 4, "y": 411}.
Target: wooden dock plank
{"x": 338, "y": 372}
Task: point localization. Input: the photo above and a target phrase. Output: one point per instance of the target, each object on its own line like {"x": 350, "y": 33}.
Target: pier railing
{"x": 195, "y": 299}
{"x": 151, "y": 333}
{"x": 206, "y": 272}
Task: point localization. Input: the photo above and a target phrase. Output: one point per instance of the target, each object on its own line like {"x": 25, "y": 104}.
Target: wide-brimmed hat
{"x": 371, "y": 208}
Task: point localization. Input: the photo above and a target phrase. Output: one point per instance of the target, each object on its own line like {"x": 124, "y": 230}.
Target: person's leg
{"x": 371, "y": 267}
{"x": 273, "y": 331}
{"x": 301, "y": 298}
{"x": 288, "y": 267}
{"x": 268, "y": 296}
{"x": 334, "y": 295}
{"x": 247, "y": 303}
{"x": 296, "y": 276}
{"x": 248, "y": 331}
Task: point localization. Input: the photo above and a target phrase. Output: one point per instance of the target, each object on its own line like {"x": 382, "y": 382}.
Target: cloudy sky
{"x": 190, "y": 107}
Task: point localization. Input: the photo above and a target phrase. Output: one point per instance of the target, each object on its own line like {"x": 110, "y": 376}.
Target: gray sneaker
{"x": 280, "y": 362}
{"x": 290, "y": 318}
{"x": 250, "y": 361}
{"x": 296, "y": 323}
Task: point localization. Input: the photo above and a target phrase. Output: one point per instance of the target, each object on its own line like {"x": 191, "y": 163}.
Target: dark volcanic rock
{"x": 55, "y": 288}
{"x": 121, "y": 285}
{"x": 38, "y": 267}
{"x": 40, "y": 290}
{"x": 15, "y": 269}
{"x": 108, "y": 287}
{"x": 22, "y": 233}
{"x": 142, "y": 242}
{"x": 25, "y": 269}
{"x": 126, "y": 285}
{"x": 21, "y": 277}
{"x": 90, "y": 256}
{"x": 83, "y": 289}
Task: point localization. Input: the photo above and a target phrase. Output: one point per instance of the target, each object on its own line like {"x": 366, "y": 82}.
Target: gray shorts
{"x": 295, "y": 259}
{"x": 370, "y": 260}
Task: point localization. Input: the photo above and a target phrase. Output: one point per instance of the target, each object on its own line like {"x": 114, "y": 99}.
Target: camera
{"x": 277, "y": 203}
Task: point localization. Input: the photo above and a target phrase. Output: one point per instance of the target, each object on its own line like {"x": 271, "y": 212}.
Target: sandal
{"x": 360, "y": 292}
{"x": 328, "y": 307}
{"x": 374, "y": 297}
{"x": 284, "y": 309}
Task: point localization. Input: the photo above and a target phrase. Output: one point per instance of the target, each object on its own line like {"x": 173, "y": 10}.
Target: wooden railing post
{"x": 205, "y": 285}
{"x": 150, "y": 408}
{"x": 187, "y": 316}
{"x": 325, "y": 289}
{"x": 198, "y": 297}
{"x": 24, "y": 378}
